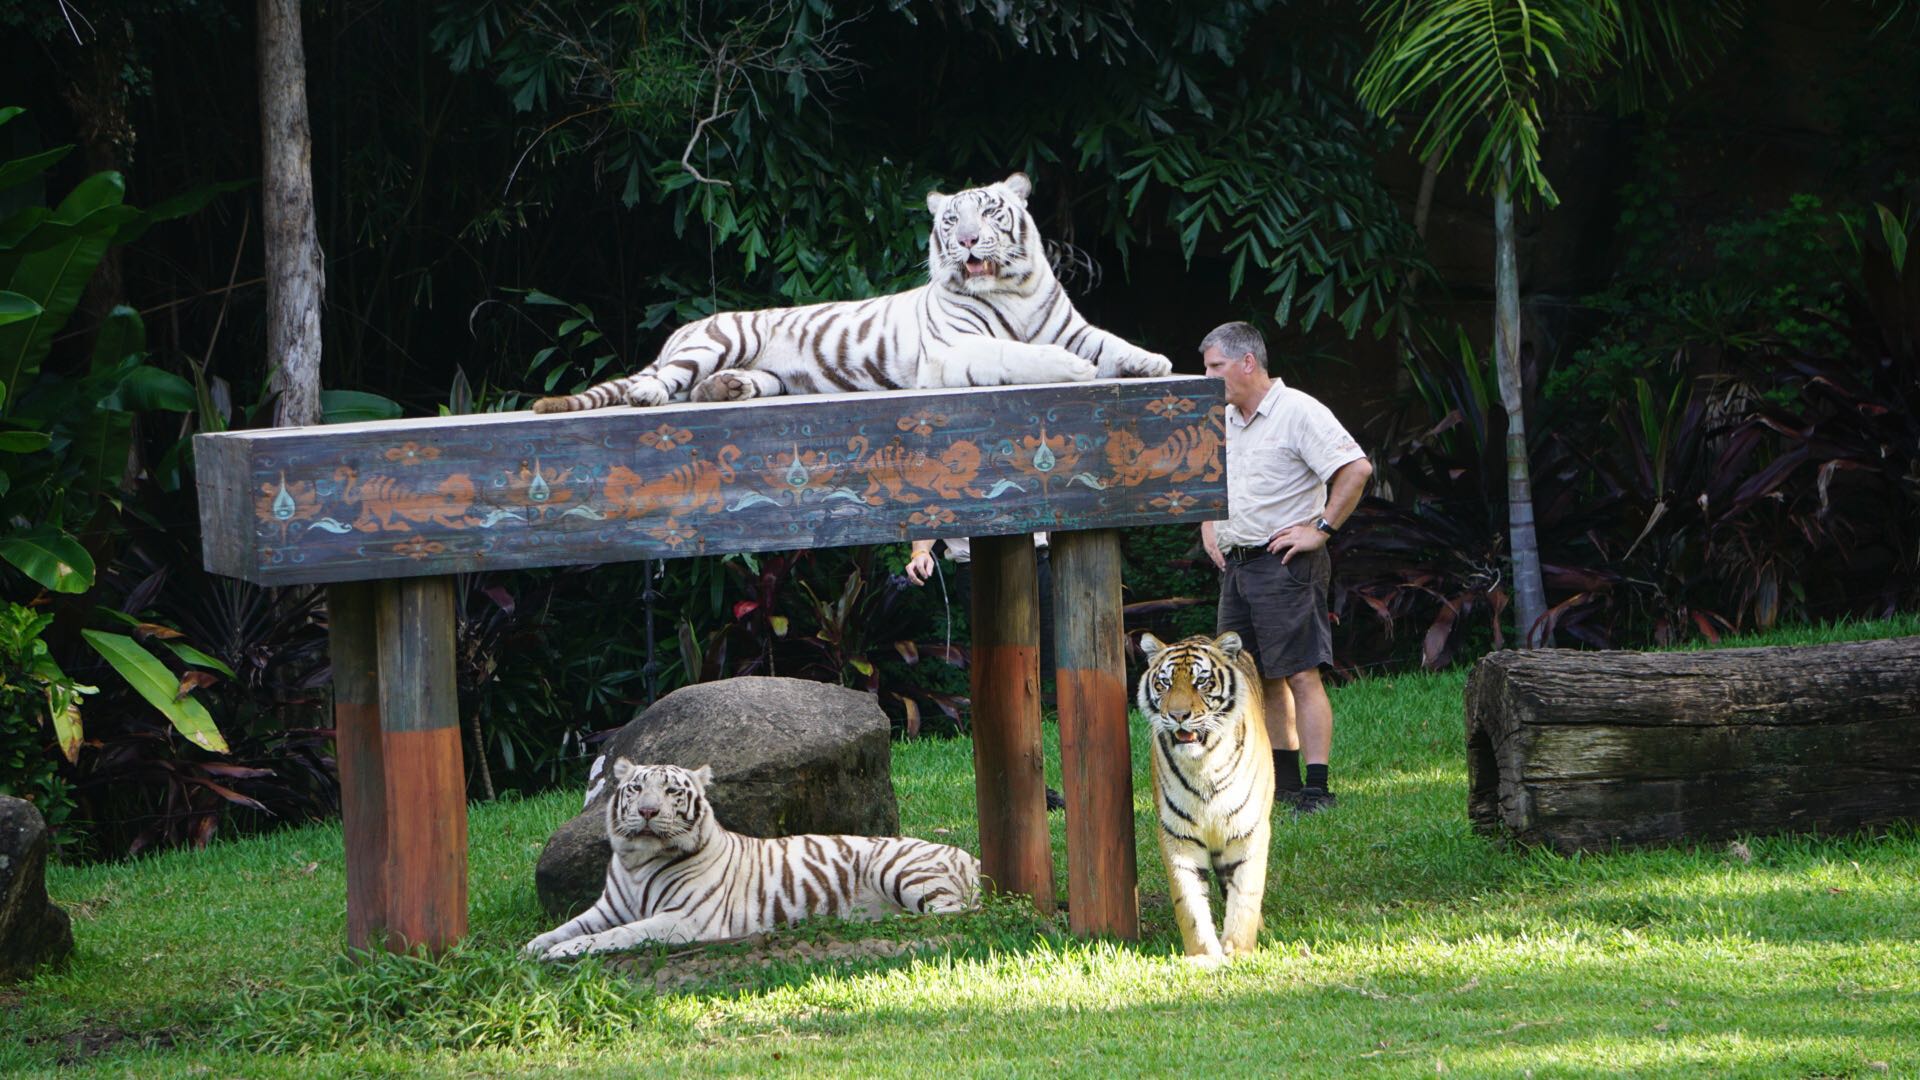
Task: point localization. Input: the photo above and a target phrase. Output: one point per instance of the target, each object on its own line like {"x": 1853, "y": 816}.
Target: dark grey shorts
{"x": 1279, "y": 609}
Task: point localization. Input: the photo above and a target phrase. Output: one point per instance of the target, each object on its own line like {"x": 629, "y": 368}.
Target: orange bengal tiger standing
{"x": 1212, "y": 785}
{"x": 678, "y": 876}
{"x": 991, "y": 314}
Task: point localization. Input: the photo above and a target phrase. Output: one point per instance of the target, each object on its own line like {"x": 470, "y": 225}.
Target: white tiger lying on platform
{"x": 678, "y": 876}
{"x": 992, "y": 314}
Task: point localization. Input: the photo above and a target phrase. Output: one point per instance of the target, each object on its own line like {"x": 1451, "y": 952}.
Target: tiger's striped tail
{"x": 690, "y": 357}
{"x": 617, "y": 392}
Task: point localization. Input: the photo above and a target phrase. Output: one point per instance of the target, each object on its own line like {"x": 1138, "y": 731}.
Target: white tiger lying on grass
{"x": 991, "y": 314}
{"x": 678, "y": 876}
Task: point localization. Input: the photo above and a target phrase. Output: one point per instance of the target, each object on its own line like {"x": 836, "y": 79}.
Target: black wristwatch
{"x": 1324, "y": 525}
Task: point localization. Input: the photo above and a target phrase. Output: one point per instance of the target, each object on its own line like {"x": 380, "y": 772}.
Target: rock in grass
{"x": 789, "y": 756}
{"x": 33, "y": 930}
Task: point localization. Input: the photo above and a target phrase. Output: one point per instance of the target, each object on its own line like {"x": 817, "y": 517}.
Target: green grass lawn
{"x": 1397, "y": 942}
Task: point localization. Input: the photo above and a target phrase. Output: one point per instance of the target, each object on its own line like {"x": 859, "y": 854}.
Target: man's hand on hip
{"x": 1297, "y": 539}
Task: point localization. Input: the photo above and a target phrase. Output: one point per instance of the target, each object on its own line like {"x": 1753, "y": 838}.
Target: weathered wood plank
{"x": 1008, "y": 765}
{"x": 443, "y": 495}
{"x": 1585, "y": 750}
{"x": 354, "y": 656}
{"x": 426, "y": 798}
{"x": 1096, "y": 756}
{"x": 221, "y": 470}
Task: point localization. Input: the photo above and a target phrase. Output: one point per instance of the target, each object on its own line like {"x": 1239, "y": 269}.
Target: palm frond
{"x": 1480, "y": 68}
{"x": 1666, "y": 46}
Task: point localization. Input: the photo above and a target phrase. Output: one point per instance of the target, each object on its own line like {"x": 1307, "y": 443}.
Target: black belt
{"x": 1244, "y": 554}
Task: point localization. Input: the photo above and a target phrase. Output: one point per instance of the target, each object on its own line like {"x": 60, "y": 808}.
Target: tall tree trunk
{"x": 97, "y": 94}
{"x": 295, "y": 279}
{"x": 1530, "y": 596}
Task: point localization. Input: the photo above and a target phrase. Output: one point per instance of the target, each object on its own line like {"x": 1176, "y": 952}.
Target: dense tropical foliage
{"x": 1718, "y": 376}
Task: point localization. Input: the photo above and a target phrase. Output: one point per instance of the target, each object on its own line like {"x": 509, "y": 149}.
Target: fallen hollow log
{"x": 1585, "y": 750}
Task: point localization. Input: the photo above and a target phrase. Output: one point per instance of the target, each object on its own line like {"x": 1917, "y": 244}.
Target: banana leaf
{"x": 50, "y": 557}
{"x": 151, "y": 679}
{"x": 54, "y": 277}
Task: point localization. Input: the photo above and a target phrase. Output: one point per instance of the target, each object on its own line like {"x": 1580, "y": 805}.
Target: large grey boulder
{"x": 33, "y": 930}
{"x": 789, "y": 756}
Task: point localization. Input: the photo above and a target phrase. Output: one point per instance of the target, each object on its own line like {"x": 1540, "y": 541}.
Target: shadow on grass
{"x": 1095, "y": 1010}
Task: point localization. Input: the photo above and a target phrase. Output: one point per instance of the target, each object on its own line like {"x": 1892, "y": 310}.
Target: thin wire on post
{"x": 946, "y": 606}
{"x": 650, "y": 672}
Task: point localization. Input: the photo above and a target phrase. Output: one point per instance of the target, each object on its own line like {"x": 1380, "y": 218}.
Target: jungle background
{"x": 1719, "y": 333}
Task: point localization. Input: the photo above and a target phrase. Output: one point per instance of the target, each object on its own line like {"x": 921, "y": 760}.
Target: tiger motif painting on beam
{"x": 678, "y": 876}
{"x": 1212, "y": 786}
{"x": 991, "y": 314}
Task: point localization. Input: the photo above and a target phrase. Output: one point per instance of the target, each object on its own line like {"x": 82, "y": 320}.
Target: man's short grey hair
{"x": 1235, "y": 340}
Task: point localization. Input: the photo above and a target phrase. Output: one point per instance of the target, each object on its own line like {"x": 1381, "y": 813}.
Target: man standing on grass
{"x": 1293, "y": 477}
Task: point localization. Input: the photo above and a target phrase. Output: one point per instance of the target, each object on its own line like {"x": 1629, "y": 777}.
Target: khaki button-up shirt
{"x": 1278, "y": 463}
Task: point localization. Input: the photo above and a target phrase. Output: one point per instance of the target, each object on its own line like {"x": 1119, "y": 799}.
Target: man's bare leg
{"x": 1313, "y": 723}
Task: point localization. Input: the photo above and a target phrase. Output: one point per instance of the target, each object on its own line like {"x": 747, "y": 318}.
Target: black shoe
{"x": 1055, "y": 800}
{"x": 1313, "y": 800}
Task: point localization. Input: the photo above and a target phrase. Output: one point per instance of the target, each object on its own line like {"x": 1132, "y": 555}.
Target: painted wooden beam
{"x": 1096, "y": 757}
{"x": 1008, "y": 764}
{"x": 406, "y": 498}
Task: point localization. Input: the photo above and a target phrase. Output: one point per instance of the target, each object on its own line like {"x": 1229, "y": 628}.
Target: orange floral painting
{"x": 412, "y": 453}
{"x": 666, "y": 437}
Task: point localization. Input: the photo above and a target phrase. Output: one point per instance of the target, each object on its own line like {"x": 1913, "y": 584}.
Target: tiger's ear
{"x": 1019, "y": 185}
{"x": 1150, "y": 645}
{"x": 936, "y": 200}
{"x": 703, "y": 776}
{"x": 1229, "y": 643}
{"x": 622, "y": 768}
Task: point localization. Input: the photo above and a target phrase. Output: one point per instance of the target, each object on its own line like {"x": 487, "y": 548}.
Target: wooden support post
{"x": 1008, "y": 767}
{"x": 426, "y": 786}
{"x": 363, "y": 775}
{"x": 1095, "y": 755}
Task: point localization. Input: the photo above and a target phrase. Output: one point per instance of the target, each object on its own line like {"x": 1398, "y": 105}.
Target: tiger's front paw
{"x": 646, "y": 391}
{"x": 1207, "y": 961}
{"x": 572, "y": 947}
{"x": 1068, "y": 366}
{"x": 1141, "y": 366}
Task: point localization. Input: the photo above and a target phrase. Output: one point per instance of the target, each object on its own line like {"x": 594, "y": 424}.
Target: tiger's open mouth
{"x": 981, "y": 268}
{"x": 1183, "y": 736}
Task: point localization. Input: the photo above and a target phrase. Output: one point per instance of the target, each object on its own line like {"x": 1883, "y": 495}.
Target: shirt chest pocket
{"x": 1273, "y": 471}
